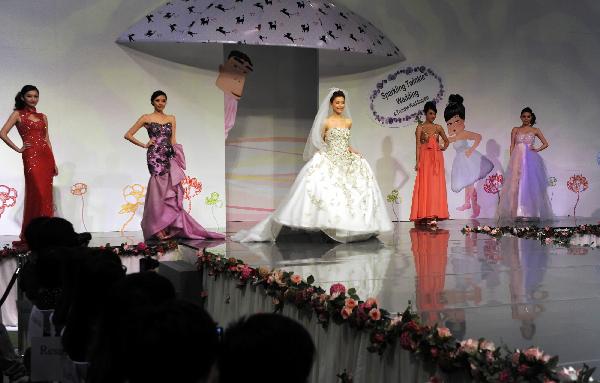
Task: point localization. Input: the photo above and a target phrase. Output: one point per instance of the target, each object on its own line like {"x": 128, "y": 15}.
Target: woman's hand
{"x": 55, "y": 170}
{"x": 469, "y": 152}
{"x": 416, "y": 167}
{"x": 24, "y": 148}
{"x": 150, "y": 143}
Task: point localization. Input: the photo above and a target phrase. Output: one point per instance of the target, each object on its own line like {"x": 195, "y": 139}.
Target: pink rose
{"x": 487, "y": 345}
{"x": 346, "y": 312}
{"x": 126, "y": 247}
{"x": 142, "y": 246}
{"x": 370, "y": 302}
{"x": 116, "y": 250}
{"x": 444, "y": 332}
{"x": 434, "y": 352}
{"x": 548, "y": 240}
{"x": 351, "y": 303}
{"x": 469, "y": 346}
{"x": 375, "y": 314}
{"x": 533, "y": 353}
{"x": 296, "y": 279}
{"x": 337, "y": 288}
{"x": 246, "y": 272}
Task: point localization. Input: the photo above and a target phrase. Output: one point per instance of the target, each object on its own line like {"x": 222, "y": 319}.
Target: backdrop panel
{"x": 93, "y": 90}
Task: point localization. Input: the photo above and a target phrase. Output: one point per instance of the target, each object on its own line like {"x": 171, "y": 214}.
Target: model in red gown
{"x": 38, "y": 161}
{"x": 38, "y": 166}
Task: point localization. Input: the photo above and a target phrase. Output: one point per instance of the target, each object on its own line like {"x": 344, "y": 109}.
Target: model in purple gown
{"x": 524, "y": 195}
{"x": 164, "y": 215}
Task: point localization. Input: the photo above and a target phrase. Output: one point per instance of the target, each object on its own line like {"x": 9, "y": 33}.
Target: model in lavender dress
{"x": 164, "y": 216}
{"x": 524, "y": 194}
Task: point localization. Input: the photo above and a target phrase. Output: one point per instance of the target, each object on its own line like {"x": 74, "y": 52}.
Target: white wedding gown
{"x": 335, "y": 192}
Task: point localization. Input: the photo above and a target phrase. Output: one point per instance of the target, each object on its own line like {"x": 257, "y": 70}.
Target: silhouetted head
{"x": 182, "y": 335}
{"x": 135, "y": 292}
{"x": 282, "y": 341}
{"x": 47, "y": 232}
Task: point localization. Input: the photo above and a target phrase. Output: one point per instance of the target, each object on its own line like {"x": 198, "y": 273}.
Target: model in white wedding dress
{"x": 335, "y": 192}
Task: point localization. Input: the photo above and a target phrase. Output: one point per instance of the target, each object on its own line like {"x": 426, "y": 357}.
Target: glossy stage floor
{"x": 512, "y": 291}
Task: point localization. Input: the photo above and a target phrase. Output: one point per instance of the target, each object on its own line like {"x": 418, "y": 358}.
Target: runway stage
{"x": 512, "y": 291}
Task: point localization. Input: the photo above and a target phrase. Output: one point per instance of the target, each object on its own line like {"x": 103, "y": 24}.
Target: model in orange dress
{"x": 38, "y": 161}
{"x": 429, "y": 201}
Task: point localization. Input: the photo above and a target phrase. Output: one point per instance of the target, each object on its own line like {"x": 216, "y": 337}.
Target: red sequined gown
{"x": 38, "y": 166}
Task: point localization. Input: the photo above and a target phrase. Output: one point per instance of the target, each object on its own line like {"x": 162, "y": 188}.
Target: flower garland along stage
{"x": 123, "y": 250}
{"x": 562, "y": 236}
{"x": 434, "y": 345}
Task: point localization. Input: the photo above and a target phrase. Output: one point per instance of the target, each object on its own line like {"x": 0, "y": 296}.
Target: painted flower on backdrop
{"x": 214, "y": 201}
{"x": 80, "y": 189}
{"x": 134, "y": 198}
{"x": 8, "y": 197}
{"x": 493, "y": 183}
{"x": 394, "y": 199}
{"x": 577, "y": 184}
{"x": 191, "y": 188}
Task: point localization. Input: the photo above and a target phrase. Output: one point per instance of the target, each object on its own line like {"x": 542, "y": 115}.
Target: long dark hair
{"x": 20, "y": 97}
{"x": 528, "y": 110}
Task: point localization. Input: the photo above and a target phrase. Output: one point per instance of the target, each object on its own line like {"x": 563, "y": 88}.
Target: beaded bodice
{"x": 159, "y": 154}
{"x": 33, "y": 131}
{"x": 525, "y": 138}
{"x": 32, "y": 128}
{"x": 337, "y": 143}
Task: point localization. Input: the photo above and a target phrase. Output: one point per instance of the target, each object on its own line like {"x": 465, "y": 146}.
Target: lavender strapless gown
{"x": 163, "y": 208}
{"x": 524, "y": 192}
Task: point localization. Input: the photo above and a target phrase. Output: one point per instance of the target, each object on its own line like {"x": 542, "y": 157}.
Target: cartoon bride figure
{"x": 469, "y": 165}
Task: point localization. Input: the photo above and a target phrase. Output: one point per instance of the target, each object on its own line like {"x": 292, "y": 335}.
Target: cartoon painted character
{"x": 231, "y": 80}
{"x": 469, "y": 165}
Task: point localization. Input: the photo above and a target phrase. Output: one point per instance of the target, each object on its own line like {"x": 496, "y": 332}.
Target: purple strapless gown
{"x": 525, "y": 182}
{"x": 163, "y": 208}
